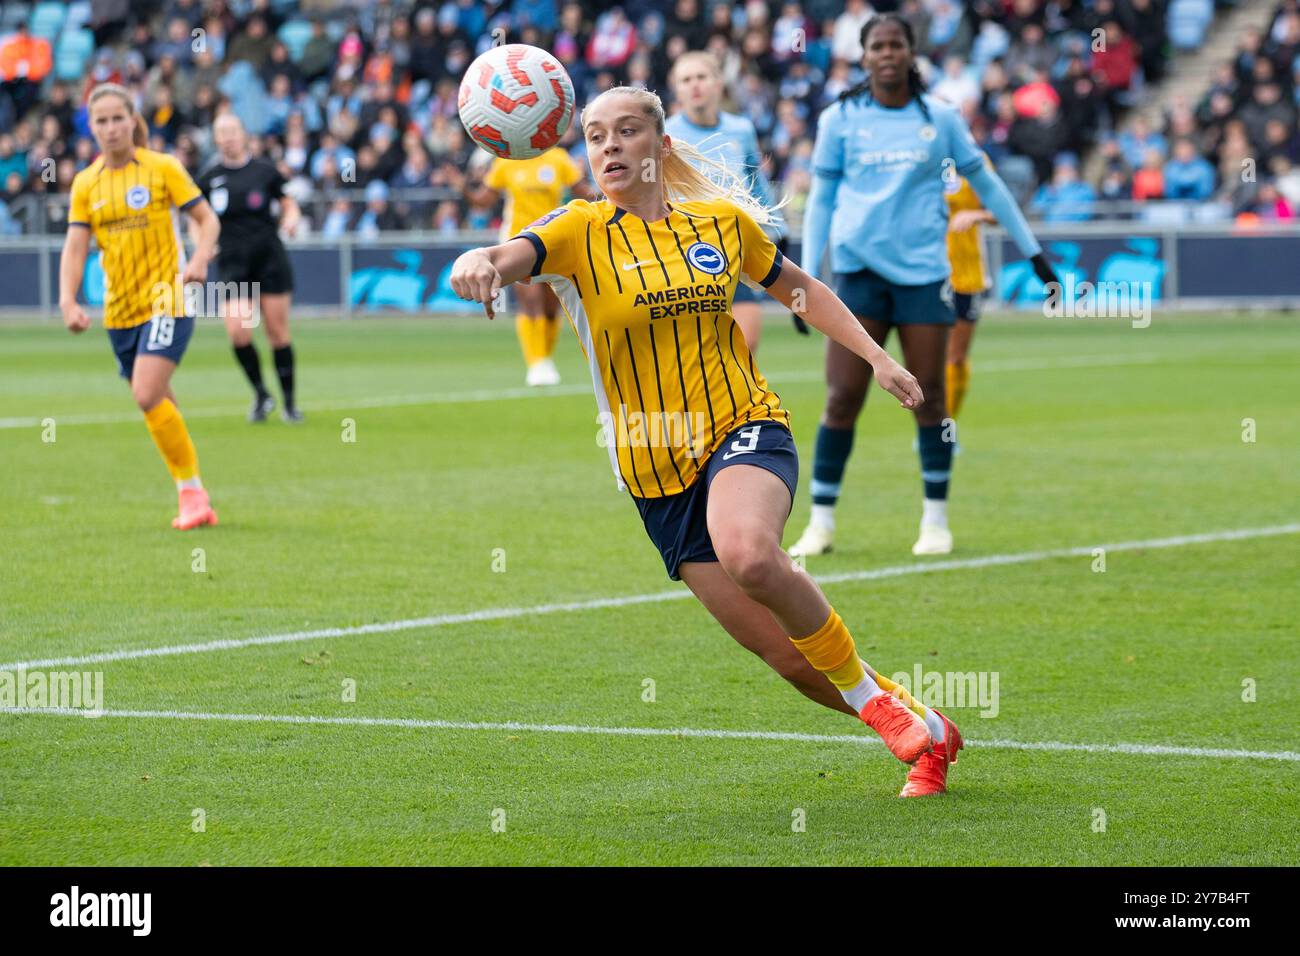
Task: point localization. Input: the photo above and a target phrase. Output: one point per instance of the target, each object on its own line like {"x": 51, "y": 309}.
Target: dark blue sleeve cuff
{"x": 773, "y": 272}
{"x": 539, "y": 247}
{"x": 192, "y": 202}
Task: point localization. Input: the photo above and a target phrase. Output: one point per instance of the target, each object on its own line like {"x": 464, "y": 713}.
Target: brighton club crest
{"x": 707, "y": 258}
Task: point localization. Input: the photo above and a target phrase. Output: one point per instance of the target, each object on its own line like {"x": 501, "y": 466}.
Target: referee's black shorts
{"x": 263, "y": 261}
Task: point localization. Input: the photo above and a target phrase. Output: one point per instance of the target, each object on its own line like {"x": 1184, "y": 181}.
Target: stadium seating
{"x": 1188, "y": 22}
{"x": 47, "y": 19}
{"x": 71, "y": 54}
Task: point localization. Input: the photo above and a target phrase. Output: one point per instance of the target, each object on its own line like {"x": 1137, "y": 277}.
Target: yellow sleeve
{"x": 570, "y": 172}
{"x": 557, "y": 237}
{"x": 79, "y": 208}
{"x": 495, "y": 178}
{"x": 180, "y": 187}
{"x": 761, "y": 260}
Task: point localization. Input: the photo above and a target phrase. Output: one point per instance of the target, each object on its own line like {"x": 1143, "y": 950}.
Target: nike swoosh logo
{"x": 98, "y": 204}
{"x": 632, "y": 265}
{"x": 732, "y": 454}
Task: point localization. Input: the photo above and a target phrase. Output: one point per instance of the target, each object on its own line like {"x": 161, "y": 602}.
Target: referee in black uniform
{"x": 241, "y": 189}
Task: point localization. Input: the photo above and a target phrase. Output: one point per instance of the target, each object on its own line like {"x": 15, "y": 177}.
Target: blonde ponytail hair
{"x": 140, "y": 132}
{"x": 686, "y": 173}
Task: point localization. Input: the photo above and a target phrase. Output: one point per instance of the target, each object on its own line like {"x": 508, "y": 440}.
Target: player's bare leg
{"x": 749, "y": 316}
{"x": 848, "y": 379}
{"x": 756, "y": 630}
{"x": 747, "y": 509}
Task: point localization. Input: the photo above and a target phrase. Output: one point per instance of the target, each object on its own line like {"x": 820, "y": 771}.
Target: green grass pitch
{"x": 464, "y": 492}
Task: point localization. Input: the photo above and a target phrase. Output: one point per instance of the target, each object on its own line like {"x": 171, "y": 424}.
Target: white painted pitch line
{"x": 507, "y": 613}
{"x": 564, "y": 391}
{"x": 422, "y": 724}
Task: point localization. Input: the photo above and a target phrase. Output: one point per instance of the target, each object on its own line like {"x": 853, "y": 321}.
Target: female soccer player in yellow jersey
{"x": 646, "y": 277}
{"x": 125, "y": 197}
{"x": 532, "y": 188}
{"x": 970, "y": 279}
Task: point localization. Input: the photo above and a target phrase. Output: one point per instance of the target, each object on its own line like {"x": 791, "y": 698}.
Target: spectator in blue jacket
{"x": 1188, "y": 175}
{"x": 1066, "y": 198}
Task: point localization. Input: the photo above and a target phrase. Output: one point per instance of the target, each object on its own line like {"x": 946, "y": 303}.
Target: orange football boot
{"x": 904, "y": 733}
{"x": 195, "y": 510}
{"x": 930, "y": 774}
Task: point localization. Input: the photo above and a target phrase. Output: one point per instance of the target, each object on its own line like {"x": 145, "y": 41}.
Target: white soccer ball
{"x": 516, "y": 101}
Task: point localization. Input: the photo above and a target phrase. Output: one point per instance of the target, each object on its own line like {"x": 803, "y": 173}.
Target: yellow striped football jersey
{"x": 533, "y": 187}
{"x": 966, "y": 249}
{"x": 132, "y": 214}
{"x": 651, "y": 305}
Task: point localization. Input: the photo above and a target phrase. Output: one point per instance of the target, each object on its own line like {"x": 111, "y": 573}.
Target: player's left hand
{"x": 196, "y": 270}
{"x": 897, "y": 381}
{"x": 1043, "y": 269}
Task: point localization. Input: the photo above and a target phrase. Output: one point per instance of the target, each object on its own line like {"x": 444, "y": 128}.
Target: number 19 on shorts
{"x": 161, "y": 330}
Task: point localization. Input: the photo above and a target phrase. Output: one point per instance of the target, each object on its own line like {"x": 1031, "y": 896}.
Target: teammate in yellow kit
{"x": 692, "y": 428}
{"x": 970, "y": 280}
{"x": 126, "y": 198}
{"x": 533, "y": 187}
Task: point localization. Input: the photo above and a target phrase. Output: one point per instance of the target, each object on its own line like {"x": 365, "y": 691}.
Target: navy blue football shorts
{"x": 870, "y": 295}
{"x": 162, "y": 335}
{"x": 678, "y": 525}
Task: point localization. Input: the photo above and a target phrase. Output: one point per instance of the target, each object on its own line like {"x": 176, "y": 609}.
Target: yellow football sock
{"x": 173, "y": 439}
{"x": 899, "y": 691}
{"x": 550, "y": 334}
{"x": 532, "y": 337}
{"x": 830, "y": 649}
{"x": 957, "y": 375}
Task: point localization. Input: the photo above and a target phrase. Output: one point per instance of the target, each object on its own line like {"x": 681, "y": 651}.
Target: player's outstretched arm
{"x": 997, "y": 199}
{"x": 205, "y": 244}
{"x": 479, "y": 274}
{"x": 811, "y": 300}
{"x": 72, "y": 265}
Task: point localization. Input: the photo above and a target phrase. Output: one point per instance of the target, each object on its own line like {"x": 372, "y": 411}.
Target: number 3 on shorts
{"x": 161, "y": 330}
{"x": 737, "y": 448}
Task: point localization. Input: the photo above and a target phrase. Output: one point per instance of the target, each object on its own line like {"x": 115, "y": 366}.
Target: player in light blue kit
{"x": 732, "y": 142}
{"x": 880, "y": 161}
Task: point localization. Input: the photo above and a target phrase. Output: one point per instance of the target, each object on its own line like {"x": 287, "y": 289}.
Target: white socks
{"x": 935, "y": 513}
{"x": 934, "y": 724}
{"x": 823, "y": 516}
{"x": 189, "y": 483}
{"x": 861, "y": 692}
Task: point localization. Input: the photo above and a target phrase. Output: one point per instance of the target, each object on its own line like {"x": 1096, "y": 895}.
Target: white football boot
{"x": 543, "y": 372}
{"x": 814, "y": 540}
{"x": 934, "y": 539}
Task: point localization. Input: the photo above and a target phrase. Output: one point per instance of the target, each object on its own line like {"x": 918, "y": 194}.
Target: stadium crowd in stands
{"x": 356, "y": 101}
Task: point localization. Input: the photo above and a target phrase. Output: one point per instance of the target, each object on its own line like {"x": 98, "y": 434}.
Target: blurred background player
{"x": 970, "y": 279}
{"x": 890, "y": 259}
{"x": 532, "y": 188}
{"x": 244, "y": 190}
{"x": 731, "y": 141}
{"x": 125, "y": 198}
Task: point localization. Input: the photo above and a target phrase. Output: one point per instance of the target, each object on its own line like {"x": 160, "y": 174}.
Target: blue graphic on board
{"x": 413, "y": 287}
{"x": 92, "y": 280}
{"x": 1122, "y": 262}
{"x": 1142, "y": 265}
